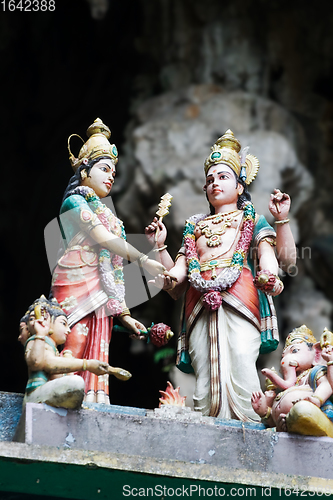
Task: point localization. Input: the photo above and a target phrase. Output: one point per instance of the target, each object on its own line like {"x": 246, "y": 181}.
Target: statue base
{"x": 133, "y": 448}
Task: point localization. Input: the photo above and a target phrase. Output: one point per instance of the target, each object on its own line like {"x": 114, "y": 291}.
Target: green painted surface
{"x": 55, "y": 480}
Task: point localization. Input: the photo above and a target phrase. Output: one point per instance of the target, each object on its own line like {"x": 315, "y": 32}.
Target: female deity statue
{"x": 88, "y": 280}
{"x": 228, "y": 261}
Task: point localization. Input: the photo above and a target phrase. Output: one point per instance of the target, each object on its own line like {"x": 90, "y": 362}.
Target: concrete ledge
{"x": 85, "y": 474}
{"x": 10, "y": 413}
{"x": 203, "y": 442}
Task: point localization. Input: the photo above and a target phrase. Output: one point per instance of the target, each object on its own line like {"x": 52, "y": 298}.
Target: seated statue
{"x": 304, "y": 404}
{"x": 48, "y": 329}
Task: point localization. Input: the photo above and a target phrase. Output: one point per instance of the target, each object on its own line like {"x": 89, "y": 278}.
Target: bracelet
{"x": 39, "y": 337}
{"x": 319, "y": 399}
{"x": 84, "y": 365}
{"x": 329, "y": 363}
{"x": 174, "y": 283}
{"x": 268, "y": 414}
{"x": 160, "y": 249}
{"x": 142, "y": 259}
{"x": 285, "y": 221}
{"x": 126, "y": 312}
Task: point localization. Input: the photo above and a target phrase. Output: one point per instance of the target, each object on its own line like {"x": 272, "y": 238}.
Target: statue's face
{"x": 60, "y": 330}
{"x": 101, "y": 177}
{"x": 299, "y": 353}
{"x": 221, "y": 186}
{"x": 31, "y": 323}
{"x": 24, "y": 333}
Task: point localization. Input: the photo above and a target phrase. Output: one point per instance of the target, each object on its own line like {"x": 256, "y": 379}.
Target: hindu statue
{"x": 88, "y": 281}
{"x": 228, "y": 267}
{"x": 47, "y": 329}
{"x": 301, "y": 400}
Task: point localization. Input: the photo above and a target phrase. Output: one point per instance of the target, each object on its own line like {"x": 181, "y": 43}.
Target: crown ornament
{"x": 97, "y": 145}
{"x": 299, "y": 335}
{"x": 226, "y": 150}
{"x": 326, "y": 338}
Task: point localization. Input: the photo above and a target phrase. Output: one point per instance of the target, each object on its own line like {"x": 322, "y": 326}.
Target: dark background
{"x": 60, "y": 70}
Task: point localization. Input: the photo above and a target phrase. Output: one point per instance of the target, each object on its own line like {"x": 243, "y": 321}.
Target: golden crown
{"x": 225, "y": 150}
{"x": 97, "y": 145}
{"x": 299, "y": 335}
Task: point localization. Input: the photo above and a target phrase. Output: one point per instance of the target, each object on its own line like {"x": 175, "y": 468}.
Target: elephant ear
{"x": 317, "y": 349}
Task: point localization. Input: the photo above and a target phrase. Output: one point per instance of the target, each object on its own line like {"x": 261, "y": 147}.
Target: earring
{"x": 83, "y": 175}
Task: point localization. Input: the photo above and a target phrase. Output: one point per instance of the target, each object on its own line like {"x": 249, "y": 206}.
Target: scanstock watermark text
{"x": 193, "y": 490}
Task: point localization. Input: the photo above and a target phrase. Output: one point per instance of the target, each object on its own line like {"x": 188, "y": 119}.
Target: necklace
{"x": 228, "y": 275}
{"x": 302, "y": 375}
{"x": 110, "y": 266}
{"x": 214, "y": 237}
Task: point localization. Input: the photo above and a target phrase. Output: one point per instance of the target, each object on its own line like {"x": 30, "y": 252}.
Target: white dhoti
{"x": 224, "y": 347}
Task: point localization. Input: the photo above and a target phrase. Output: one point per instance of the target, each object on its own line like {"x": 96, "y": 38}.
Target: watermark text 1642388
{"x": 28, "y": 5}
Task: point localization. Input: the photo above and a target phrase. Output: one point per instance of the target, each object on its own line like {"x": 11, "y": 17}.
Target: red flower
{"x": 160, "y": 334}
{"x": 212, "y": 301}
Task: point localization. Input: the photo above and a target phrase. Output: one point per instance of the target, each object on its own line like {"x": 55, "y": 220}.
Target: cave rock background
{"x": 168, "y": 77}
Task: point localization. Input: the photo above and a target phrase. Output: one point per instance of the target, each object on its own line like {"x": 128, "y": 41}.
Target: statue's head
{"x": 298, "y": 336}
{"x": 95, "y": 166}
{"x": 301, "y": 349}
{"x": 225, "y": 158}
{"x": 44, "y": 308}
{"x": 226, "y": 151}
{"x": 97, "y": 146}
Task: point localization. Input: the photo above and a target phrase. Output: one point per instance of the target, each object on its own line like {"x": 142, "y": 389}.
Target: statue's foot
{"x": 307, "y": 419}
{"x": 258, "y": 401}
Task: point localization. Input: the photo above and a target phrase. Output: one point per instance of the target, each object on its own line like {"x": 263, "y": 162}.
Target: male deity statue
{"x": 228, "y": 264}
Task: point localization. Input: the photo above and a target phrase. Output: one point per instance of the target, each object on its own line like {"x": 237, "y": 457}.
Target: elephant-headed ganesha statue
{"x": 303, "y": 404}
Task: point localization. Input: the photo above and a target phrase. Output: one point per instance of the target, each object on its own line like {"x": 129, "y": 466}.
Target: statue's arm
{"x": 35, "y": 349}
{"x": 156, "y": 234}
{"x": 56, "y": 364}
{"x": 267, "y": 258}
{"x": 120, "y": 247}
{"x": 279, "y": 207}
{"x": 323, "y": 391}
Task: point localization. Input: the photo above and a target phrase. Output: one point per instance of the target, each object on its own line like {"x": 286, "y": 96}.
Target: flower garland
{"x": 110, "y": 266}
{"x": 228, "y": 275}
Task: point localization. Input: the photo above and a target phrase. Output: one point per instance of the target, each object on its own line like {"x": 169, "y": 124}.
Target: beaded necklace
{"x": 110, "y": 266}
{"x": 228, "y": 275}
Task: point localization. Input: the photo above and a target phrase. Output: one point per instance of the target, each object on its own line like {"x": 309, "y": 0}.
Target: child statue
{"x": 48, "y": 328}
{"x": 303, "y": 404}
{"x": 88, "y": 280}
{"x": 228, "y": 259}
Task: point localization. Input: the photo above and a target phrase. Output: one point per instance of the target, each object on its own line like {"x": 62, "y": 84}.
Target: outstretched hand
{"x": 97, "y": 367}
{"x": 134, "y": 326}
{"x": 164, "y": 281}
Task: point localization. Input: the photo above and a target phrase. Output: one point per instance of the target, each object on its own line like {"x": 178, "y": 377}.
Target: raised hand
{"x": 279, "y": 205}
{"x": 150, "y": 232}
